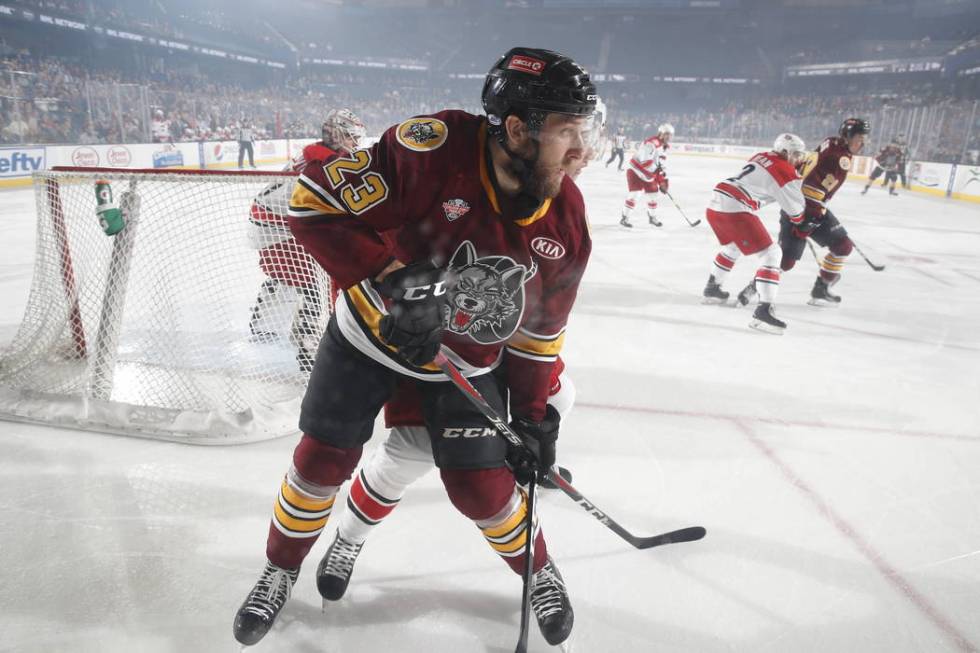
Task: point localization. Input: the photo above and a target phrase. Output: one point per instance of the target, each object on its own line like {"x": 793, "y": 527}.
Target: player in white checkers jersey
{"x": 647, "y": 174}
{"x": 767, "y": 177}
{"x": 289, "y": 268}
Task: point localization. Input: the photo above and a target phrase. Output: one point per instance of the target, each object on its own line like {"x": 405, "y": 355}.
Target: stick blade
{"x": 689, "y": 534}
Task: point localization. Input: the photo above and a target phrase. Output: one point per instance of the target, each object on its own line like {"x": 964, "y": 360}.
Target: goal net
{"x": 197, "y": 322}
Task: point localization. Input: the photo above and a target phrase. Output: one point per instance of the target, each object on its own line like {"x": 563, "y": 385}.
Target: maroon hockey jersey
{"x": 824, "y": 174}
{"x": 425, "y": 191}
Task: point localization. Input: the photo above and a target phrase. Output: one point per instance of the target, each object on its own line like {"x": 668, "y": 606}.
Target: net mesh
{"x": 197, "y": 322}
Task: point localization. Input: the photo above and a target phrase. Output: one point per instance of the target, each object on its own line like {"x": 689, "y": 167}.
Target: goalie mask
{"x": 342, "y": 130}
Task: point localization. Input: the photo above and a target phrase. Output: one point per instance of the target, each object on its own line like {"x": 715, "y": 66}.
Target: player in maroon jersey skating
{"x": 823, "y": 175}
{"x": 454, "y": 233}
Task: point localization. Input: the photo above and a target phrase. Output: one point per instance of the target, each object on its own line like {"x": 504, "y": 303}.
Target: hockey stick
{"x": 876, "y": 268}
{"x": 528, "y": 564}
{"x": 813, "y": 250}
{"x": 689, "y": 534}
{"x": 681, "y": 211}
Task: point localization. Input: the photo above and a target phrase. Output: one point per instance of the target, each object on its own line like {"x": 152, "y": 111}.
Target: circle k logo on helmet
{"x": 523, "y": 63}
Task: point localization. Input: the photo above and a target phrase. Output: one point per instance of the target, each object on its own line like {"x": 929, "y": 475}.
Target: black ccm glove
{"x": 414, "y": 321}
{"x": 538, "y": 452}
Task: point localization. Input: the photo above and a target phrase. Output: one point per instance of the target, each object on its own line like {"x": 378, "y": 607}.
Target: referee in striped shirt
{"x": 245, "y": 143}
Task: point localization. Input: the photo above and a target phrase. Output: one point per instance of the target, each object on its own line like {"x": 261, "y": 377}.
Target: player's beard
{"x": 544, "y": 182}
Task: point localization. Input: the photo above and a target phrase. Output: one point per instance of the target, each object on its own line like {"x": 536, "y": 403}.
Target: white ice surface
{"x": 836, "y": 469}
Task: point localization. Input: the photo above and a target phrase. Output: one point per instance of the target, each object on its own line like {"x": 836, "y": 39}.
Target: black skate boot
{"x": 865, "y": 191}
{"x": 821, "y": 295}
{"x": 713, "y": 294}
{"x": 764, "y": 320}
{"x": 891, "y": 191}
{"x": 263, "y": 603}
{"x": 748, "y": 294}
{"x": 654, "y": 221}
{"x": 549, "y": 600}
{"x": 625, "y": 221}
{"x": 546, "y": 483}
{"x": 335, "y": 569}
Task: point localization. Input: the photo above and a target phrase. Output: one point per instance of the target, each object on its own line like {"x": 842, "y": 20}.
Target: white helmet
{"x": 597, "y": 125}
{"x": 340, "y": 125}
{"x": 666, "y": 128}
{"x": 789, "y": 144}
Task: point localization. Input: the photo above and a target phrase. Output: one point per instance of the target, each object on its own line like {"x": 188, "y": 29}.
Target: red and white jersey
{"x": 766, "y": 178}
{"x": 270, "y": 207}
{"x": 650, "y": 158}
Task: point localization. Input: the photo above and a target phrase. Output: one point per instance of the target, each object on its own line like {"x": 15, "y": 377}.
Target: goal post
{"x": 197, "y": 322}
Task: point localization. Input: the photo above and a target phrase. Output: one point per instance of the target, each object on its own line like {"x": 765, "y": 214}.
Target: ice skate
{"x": 654, "y": 221}
{"x": 625, "y": 221}
{"x": 764, "y": 320}
{"x": 262, "y": 605}
{"x": 549, "y": 601}
{"x": 713, "y": 294}
{"x": 748, "y": 294}
{"x": 335, "y": 569}
{"x": 821, "y": 295}
{"x": 865, "y": 190}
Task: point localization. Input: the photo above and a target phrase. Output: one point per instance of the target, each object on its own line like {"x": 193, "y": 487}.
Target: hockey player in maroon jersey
{"x": 823, "y": 176}
{"x": 767, "y": 177}
{"x": 290, "y": 270}
{"x": 888, "y": 161}
{"x": 406, "y": 454}
{"x": 647, "y": 174}
{"x": 459, "y": 234}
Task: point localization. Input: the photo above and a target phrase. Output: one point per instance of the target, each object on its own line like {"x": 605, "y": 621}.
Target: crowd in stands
{"x": 48, "y": 100}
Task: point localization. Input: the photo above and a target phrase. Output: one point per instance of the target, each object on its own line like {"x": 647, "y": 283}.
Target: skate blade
{"x": 764, "y": 327}
{"x": 566, "y": 646}
{"x": 822, "y": 303}
{"x": 713, "y": 301}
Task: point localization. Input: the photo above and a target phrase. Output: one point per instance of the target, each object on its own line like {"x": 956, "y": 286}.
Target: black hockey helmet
{"x": 530, "y": 83}
{"x": 852, "y": 126}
